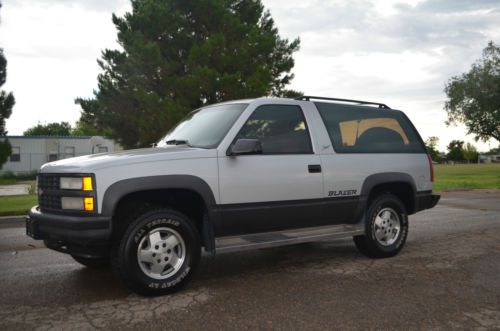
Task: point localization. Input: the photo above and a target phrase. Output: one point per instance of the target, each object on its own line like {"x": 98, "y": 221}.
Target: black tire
{"x": 92, "y": 262}
{"x": 124, "y": 252}
{"x": 368, "y": 244}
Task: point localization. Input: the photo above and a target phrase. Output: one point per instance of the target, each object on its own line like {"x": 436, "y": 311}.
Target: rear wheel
{"x": 92, "y": 262}
{"x": 157, "y": 253}
{"x": 386, "y": 228}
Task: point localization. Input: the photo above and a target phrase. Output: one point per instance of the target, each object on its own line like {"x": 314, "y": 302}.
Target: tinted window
{"x": 281, "y": 129}
{"x": 369, "y": 130}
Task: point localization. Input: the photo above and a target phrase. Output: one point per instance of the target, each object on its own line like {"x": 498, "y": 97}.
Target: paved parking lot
{"x": 18, "y": 189}
{"x": 446, "y": 277}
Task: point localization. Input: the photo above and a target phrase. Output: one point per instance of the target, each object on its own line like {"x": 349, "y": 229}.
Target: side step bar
{"x": 286, "y": 237}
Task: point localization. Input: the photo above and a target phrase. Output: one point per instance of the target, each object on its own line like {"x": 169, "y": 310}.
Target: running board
{"x": 286, "y": 237}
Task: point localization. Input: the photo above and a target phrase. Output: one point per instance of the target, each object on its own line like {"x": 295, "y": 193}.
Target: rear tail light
{"x": 431, "y": 167}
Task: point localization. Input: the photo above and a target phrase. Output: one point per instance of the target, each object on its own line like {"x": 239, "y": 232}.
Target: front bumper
{"x": 78, "y": 235}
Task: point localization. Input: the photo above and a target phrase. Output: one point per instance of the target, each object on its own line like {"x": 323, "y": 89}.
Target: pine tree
{"x": 179, "y": 55}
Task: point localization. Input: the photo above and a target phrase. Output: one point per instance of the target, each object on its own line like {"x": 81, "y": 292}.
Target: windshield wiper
{"x": 178, "y": 142}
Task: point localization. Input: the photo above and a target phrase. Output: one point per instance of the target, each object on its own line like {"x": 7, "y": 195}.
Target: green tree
{"x": 83, "y": 128}
{"x": 455, "y": 150}
{"x": 179, "y": 55}
{"x": 474, "y": 97}
{"x": 51, "y": 129}
{"x": 431, "y": 144}
{"x": 7, "y": 102}
{"x": 470, "y": 153}
{"x": 5, "y": 150}
{"x": 493, "y": 151}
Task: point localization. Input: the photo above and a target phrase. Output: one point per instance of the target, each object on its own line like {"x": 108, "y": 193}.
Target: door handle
{"x": 314, "y": 168}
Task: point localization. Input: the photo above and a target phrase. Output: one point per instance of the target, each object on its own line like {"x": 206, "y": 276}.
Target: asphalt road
{"x": 446, "y": 277}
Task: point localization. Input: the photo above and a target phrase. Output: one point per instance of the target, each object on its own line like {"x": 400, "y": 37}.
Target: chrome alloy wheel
{"x": 161, "y": 253}
{"x": 387, "y": 226}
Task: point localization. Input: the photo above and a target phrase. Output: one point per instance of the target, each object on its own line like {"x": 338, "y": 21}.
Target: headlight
{"x": 72, "y": 203}
{"x": 78, "y": 203}
{"x": 76, "y": 183}
{"x": 85, "y": 201}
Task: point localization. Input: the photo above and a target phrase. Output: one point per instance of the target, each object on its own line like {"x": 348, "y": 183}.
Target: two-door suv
{"x": 238, "y": 175}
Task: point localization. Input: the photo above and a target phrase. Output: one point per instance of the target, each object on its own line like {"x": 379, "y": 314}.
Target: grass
{"x": 17, "y": 204}
{"x": 466, "y": 176}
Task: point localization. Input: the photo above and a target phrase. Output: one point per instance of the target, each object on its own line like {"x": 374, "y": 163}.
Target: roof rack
{"x": 380, "y": 105}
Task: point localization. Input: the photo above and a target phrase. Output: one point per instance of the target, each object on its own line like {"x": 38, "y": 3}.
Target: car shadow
{"x": 271, "y": 260}
{"x": 90, "y": 284}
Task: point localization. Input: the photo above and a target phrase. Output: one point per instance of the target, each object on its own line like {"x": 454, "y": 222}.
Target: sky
{"x": 398, "y": 52}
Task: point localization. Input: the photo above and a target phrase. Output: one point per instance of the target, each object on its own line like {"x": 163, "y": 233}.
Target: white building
{"x": 489, "y": 158}
{"x": 30, "y": 152}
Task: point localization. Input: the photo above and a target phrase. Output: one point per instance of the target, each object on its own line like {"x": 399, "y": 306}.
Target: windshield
{"x": 205, "y": 127}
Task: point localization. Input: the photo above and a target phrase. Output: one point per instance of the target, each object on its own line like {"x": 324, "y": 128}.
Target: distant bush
{"x": 20, "y": 176}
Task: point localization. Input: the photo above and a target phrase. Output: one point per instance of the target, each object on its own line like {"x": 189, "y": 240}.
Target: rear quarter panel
{"x": 349, "y": 171}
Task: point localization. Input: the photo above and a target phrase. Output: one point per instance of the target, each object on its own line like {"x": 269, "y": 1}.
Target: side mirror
{"x": 245, "y": 147}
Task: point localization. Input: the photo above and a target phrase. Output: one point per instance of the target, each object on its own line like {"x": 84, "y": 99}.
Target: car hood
{"x": 93, "y": 162}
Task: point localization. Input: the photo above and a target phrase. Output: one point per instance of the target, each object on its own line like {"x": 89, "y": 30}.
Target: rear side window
{"x": 281, "y": 129}
{"x": 369, "y": 130}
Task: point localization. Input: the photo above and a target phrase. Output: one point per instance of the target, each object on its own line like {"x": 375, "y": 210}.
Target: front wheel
{"x": 386, "y": 228}
{"x": 157, "y": 253}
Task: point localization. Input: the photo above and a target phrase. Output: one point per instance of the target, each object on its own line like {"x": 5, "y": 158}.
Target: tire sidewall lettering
{"x": 142, "y": 230}
{"x": 150, "y": 225}
{"x": 170, "y": 283}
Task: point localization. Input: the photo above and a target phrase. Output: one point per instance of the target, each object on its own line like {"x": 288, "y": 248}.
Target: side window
{"x": 281, "y": 129}
{"x": 361, "y": 130}
{"x": 103, "y": 149}
{"x": 369, "y": 131}
{"x": 15, "y": 156}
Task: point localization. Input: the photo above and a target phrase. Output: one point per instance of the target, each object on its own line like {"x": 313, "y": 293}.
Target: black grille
{"x": 48, "y": 199}
{"x": 48, "y": 182}
{"x": 49, "y": 202}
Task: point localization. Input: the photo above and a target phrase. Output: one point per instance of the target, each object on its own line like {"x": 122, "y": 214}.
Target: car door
{"x": 278, "y": 189}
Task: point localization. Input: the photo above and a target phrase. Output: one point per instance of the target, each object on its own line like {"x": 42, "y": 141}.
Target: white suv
{"x": 238, "y": 175}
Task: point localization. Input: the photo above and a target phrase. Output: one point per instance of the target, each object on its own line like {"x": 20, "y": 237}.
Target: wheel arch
{"x": 400, "y": 184}
{"x": 117, "y": 192}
